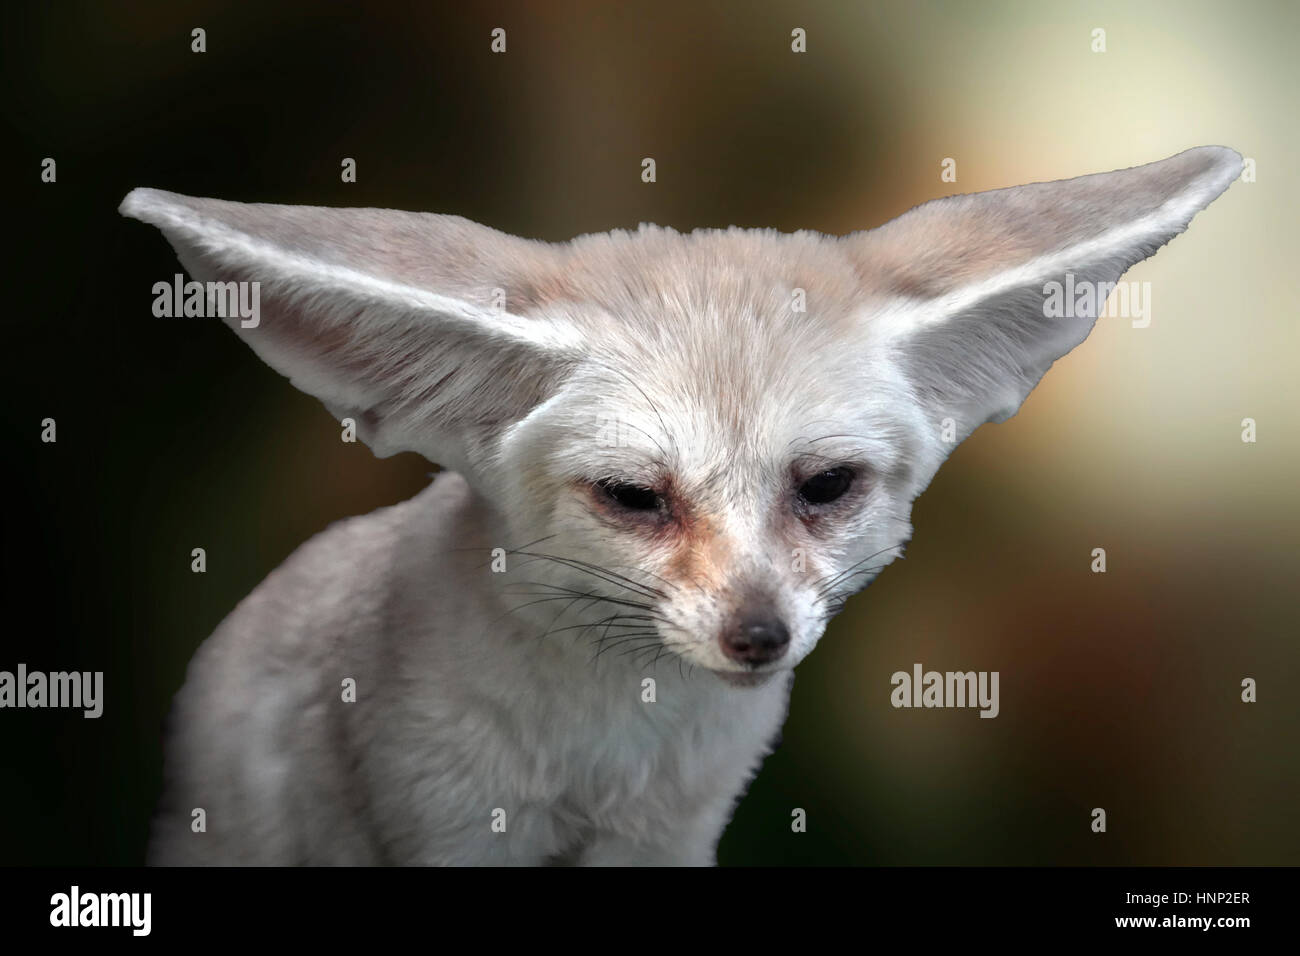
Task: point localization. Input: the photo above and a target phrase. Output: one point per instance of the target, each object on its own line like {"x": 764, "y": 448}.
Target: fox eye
{"x": 632, "y": 497}
{"x": 826, "y": 487}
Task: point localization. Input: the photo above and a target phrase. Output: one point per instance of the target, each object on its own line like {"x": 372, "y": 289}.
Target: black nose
{"x": 757, "y": 638}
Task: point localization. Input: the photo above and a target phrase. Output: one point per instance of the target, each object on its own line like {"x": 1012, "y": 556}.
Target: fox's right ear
{"x": 387, "y": 317}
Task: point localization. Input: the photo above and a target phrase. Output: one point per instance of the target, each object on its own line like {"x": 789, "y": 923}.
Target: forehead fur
{"x": 670, "y": 288}
{"x": 698, "y": 359}
{"x": 731, "y": 321}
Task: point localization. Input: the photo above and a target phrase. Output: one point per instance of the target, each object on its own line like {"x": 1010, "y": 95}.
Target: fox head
{"x": 705, "y": 442}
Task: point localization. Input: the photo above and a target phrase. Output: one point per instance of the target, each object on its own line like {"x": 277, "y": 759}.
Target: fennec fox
{"x": 668, "y": 460}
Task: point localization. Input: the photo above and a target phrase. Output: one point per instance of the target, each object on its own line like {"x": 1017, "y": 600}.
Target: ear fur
{"x": 387, "y": 317}
{"x": 962, "y": 282}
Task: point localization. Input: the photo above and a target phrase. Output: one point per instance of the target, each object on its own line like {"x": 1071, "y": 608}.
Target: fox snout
{"x": 755, "y": 637}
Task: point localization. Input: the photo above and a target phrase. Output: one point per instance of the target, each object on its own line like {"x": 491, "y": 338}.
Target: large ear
{"x": 964, "y": 289}
{"x": 391, "y": 318}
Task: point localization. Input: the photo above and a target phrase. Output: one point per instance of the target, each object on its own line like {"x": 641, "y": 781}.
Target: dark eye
{"x": 826, "y": 487}
{"x": 632, "y": 497}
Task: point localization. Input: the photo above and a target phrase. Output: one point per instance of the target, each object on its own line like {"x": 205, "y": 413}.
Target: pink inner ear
{"x": 957, "y": 240}
{"x": 972, "y": 275}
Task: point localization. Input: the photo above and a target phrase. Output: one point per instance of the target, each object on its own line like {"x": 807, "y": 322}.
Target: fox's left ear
{"x": 960, "y": 286}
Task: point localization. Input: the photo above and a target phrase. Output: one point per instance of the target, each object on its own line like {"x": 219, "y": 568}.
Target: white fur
{"x": 653, "y": 358}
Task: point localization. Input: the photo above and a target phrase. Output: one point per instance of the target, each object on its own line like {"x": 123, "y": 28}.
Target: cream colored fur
{"x": 653, "y": 358}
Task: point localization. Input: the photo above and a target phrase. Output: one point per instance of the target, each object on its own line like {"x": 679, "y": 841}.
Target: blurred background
{"x": 1118, "y": 690}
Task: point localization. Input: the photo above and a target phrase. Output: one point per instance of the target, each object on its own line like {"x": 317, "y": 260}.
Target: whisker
{"x": 507, "y": 550}
{"x": 823, "y": 588}
{"x": 595, "y": 570}
{"x": 623, "y": 639}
